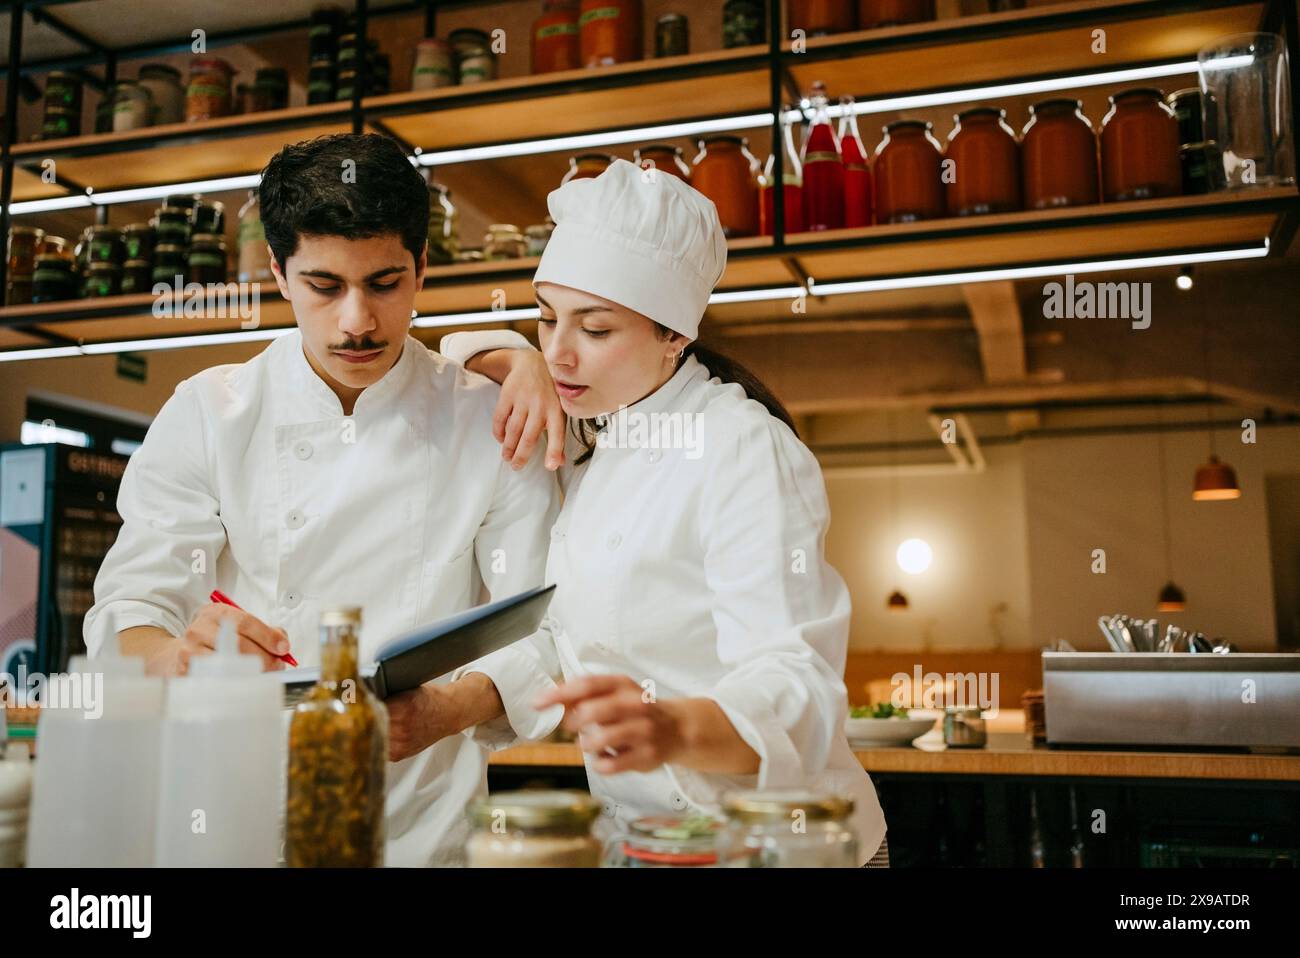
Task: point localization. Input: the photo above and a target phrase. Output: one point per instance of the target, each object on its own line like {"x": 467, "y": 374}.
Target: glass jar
{"x": 137, "y": 241}
{"x": 664, "y": 157}
{"x": 816, "y": 17}
{"x": 172, "y": 225}
{"x": 137, "y": 276}
{"x": 323, "y": 29}
{"x": 1059, "y": 156}
{"x": 52, "y": 245}
{"x": 18, "y": 289}
{"x": 208, "y": 93}
{"x": 105, "y": 245}
{"x": 254, "y": 258}
{"x": 433, "y": 66}
{"x": 744, "y": 23}
{"x": 205, "y": 262}
{"x": 890, "y": 13}
{"x": 555, "y": 37}
{"x": 102, "y": 279}
{"x": 475, "y": 61}
{"x": 320, "y": 81}
{"x": 57, "y": 124}
{"x": 23, "y": 243}
{"x": 54, "y": 278}
{"x": 787, "y": 829}
{"x": 586, "y": 165}
{"x": 727, "y": 173}
{"x": 504, "y": 241}
{"x": 132, "y": 106}
{"x": 338, "y": 755}
{"x": 164, "y": 85}
{"x": 444, "y": 225}
{"x": 270, "y": 88}
{"x": 168, "y": 263}
{"x": 208, "y": 216}
{"x": 986, "y": 164}
{"x": 537, "y": 236}
{"x": 534, "y": 829}
{"x": 1186, "y": 105}
{"x": 62, "y": 106}
{"x": 672, "y": 35}
{"x": 667, "y": 842}
{"x": 908, "y": 183}
{"x": 609, "y": 31}
{"x": 1139, "y": 147}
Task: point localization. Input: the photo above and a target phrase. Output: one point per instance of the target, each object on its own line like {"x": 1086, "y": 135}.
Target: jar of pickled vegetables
{"x": 208, "y": 93}
{"x": 609, "y": 32}
{"x": 504, "y": 241}
{"x": 555, "y": 37}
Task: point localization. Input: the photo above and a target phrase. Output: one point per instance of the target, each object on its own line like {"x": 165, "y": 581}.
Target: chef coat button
{"x": 614, "y": 540}
{"x": 294, "y": 519}
{"x": 609, "y": 809}
{"x": 292, "y": 599}
{"x": 302, "y": 449}
{"x": 678, "y": 801}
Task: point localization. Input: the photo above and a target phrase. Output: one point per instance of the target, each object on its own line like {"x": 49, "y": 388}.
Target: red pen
{"x": 219, "y": 596}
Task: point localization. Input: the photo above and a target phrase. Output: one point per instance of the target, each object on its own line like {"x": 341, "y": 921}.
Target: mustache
{"x": 363, "y": 345}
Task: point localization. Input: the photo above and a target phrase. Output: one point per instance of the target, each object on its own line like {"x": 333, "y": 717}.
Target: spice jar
{"x": 726, "y": 172}
{"x": 963, "y": 727}
{"x": 504, "y": 241}
{"x": 433, "y": 66}
{"x": 168, "y": 263}
{"x": 664, "y": 157}
{"x": 985, "y": 168}
{"x": 744, "y": 23}
{"x": 672, "y": 36}
{"x": 168, "y": 96}
{"x": 206, "y": 260}
{"x": 787, "y": 829}
{"x": 137, "y": 276}
{"x": 444, "y": 225}
{"x": 667, "y": 842}
{"x": 534, "y": 829}
{"x": 1139, "y": 147}
{"x": 816, "y": 17}
{"x": 908, "y": 184}
{"x": 102, "y": 279}
{"x": 338, "y": 754}
{"x": 132, "y": 106}
{"x": 555, "y": 37}
{"x": 889, "y": 13}
{"x": 208, "y": 93}
{"x": 609, "y": 31}
{"x": 137, "y": 241}
{"x": 587, "y": 165}
{"x": 475, "y": 61}
{"x": 254, "y": 258}
{"x": 54, "y": 278}
{"x": 1059, "y": 156}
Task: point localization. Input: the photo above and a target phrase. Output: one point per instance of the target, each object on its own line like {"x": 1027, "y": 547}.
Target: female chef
{"x": 697, "y": 629}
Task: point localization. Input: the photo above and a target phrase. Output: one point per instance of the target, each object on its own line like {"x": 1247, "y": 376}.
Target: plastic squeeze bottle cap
{"x": 227, "y": 662}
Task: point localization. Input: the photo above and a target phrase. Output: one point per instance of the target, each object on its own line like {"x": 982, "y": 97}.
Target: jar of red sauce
{"x": 908, "y": 185}
{"x": 727, "y": 173}
{"x": 984, "y": 176}
{"x": 1058, "y": 156}
{"x": 555, "y": 37}
{"x": 665, "y": 157}
{"x": 888, "y": 13}
{"x": 816, "y": 17}
{"x": 1139, "y": 147}
{"x": 609, "y": 31}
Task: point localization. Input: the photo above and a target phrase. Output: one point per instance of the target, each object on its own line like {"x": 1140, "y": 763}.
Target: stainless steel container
{"x": 963, "y": 727}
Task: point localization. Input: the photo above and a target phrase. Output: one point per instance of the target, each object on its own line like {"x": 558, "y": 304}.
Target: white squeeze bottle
{"x": 96, "y": 778}
{"x": 219, "y": 785}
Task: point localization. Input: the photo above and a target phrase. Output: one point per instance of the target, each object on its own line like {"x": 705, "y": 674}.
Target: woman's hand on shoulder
{"x": 527, "y": 405}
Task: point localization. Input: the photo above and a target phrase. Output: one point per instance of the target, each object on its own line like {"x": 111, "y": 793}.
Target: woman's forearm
{"x": 493, "y": 363}
{"x": 709, "y": 742}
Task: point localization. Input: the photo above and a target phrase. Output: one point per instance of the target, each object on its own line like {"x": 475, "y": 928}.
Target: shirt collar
{"x": 311, "y": 396}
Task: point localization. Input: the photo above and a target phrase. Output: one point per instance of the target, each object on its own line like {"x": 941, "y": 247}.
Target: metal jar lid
{"x": 757, "y": 807}
{"x": 536, "y": 810}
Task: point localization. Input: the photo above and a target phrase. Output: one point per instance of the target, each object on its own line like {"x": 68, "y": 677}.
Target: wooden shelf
{"x": 1054, "y": 40}
{"x": 1116, "y": 230}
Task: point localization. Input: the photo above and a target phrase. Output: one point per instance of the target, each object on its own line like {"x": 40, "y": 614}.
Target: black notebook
{"x": 424, "y": 653}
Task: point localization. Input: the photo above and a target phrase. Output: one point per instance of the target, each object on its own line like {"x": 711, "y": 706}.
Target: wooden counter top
{"x": 1008, "y": 752}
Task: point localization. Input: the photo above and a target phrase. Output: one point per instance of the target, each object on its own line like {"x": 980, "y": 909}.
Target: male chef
{"x": 345, "y": 464}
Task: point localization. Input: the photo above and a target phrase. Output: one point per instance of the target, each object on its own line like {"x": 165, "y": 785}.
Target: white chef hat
{"x": 647, "y": 242}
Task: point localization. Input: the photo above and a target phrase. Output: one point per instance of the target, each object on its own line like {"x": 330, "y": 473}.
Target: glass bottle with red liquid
{"x": 857, "y": 174}
{"x": 823, "y": 170}
{"x": 792, "y": 184}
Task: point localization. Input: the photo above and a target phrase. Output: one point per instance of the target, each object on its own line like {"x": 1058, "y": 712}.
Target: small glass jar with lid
{"x": 537, "y": 236}
{"x": 504, "y": 241}
{"x": 206, "y": 260}
{"x": 534, "y": 829}
{"x": 667, "y": 842}
{"x": 665, "y": 157}
{"x": 102, "y": 279}
{"x": 444, "y": 225}
{"x": 586, "y": 165}
{"x": 787, "y": 828}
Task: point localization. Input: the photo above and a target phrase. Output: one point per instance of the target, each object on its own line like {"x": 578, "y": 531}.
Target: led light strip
{"x": 730, "y": 296}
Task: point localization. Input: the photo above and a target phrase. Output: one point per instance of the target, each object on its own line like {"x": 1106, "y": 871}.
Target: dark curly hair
{"x": 352, "y": 185}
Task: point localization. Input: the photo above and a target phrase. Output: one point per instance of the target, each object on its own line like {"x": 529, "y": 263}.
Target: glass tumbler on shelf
{"x": 1247, "y": 98}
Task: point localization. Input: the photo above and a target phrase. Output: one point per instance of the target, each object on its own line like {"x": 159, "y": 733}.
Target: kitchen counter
{"x": 1009, "y": 752}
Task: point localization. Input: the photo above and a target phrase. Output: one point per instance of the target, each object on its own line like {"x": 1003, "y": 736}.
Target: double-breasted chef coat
{"x": 251, "y": 480}
{"x": 700, "y": 569}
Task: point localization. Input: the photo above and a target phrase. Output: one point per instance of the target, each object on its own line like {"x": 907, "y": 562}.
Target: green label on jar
{"x": 556, "y": 30}
{"x": 207, "y": 259}
{"x": 600, "y": 13}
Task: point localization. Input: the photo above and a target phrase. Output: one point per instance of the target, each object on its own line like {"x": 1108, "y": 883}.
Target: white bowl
{"x": 887, "y": 731}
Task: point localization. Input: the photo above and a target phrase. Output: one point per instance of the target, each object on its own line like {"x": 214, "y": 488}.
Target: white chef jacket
{"x": 252, "y": 481}
{"x": 702, "y": 571}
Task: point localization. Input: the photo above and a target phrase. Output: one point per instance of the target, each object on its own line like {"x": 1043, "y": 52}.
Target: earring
{"x": 680, "y": 353}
